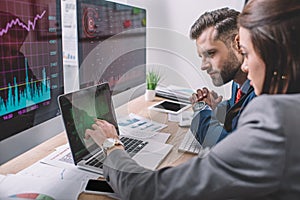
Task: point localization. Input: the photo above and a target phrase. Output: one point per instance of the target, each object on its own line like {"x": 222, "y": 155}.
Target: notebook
{"x": 80, "y": 108}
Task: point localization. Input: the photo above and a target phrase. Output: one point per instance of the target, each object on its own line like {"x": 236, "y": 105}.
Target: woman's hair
{"x": 274, "y": 27}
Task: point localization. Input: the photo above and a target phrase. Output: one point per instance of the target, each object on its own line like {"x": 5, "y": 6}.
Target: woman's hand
{"x": 101, "y": 130}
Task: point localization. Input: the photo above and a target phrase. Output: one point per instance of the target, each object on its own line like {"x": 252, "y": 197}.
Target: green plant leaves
{"x": 152, "y": 79}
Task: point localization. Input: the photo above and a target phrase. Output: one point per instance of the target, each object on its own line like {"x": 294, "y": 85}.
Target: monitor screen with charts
{"x": 31, "y": 73}
{"x": 111, "y": 44}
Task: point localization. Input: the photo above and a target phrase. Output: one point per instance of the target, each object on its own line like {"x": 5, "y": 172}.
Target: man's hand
{"x": 211, "y": 98}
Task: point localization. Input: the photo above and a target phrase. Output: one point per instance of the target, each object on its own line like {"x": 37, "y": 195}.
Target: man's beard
{"x": 229, "y": 70}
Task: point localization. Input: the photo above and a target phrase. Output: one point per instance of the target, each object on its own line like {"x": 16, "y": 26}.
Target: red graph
{"x": 17, "y": 21}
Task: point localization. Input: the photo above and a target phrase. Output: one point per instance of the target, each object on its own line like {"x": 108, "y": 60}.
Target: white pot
{"x": 149, "y": 95}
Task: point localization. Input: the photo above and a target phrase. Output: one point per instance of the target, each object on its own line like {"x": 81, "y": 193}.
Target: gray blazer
{"x": 261, "y": 161}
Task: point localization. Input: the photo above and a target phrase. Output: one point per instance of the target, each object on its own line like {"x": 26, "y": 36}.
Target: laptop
{"x": 80, "y": 108}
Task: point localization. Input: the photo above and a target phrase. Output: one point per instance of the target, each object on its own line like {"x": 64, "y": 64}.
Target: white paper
{"x": 69, "y": 32}
{"x": 41, "y": 170}
{"x": 57, "y": 157}
{"x": 174, "y": 117}
{"x": 135, "y": 122}
{"x": 146, "y": 135}
{"x": 14, "y": 186}
{"x": 184, "y": 119}
{"x": 2, "y": 177}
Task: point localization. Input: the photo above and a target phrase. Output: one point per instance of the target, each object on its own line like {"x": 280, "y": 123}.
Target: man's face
{"x": 219, "y": 61}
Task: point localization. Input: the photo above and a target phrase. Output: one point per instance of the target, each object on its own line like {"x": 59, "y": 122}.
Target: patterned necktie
{"x": 239, "y": 95}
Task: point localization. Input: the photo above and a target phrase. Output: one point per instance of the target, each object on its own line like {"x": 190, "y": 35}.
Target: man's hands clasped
{"x": 211, "y": 98}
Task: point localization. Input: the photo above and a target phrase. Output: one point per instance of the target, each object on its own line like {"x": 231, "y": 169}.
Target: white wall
{"x": 169, "y": 46}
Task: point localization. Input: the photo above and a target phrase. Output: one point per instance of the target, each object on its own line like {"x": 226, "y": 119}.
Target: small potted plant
{"x": 152, "y": 79}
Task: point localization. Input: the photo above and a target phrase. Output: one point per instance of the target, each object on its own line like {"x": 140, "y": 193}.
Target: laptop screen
{"x": 79, "y": 109}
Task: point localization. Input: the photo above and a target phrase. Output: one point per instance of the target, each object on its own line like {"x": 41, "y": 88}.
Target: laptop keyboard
{"x": 96, "y": 161}
{"x": 133, "y": 146}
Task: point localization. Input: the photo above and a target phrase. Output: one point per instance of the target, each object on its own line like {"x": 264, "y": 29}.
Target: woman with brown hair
{"x": 261, "y": 160}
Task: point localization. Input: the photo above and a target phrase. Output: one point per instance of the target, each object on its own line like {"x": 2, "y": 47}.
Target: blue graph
{"x": 33, "y": 93}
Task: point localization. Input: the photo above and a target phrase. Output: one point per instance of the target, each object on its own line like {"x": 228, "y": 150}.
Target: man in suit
{"x": 216, "y": 38}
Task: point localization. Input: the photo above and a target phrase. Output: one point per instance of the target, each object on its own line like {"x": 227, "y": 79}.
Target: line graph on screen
{"x": 31, "y": 74}
{"x": 30, "y": 26}
{"x": 23, "y": 87}
{"x": 28, "y": 62}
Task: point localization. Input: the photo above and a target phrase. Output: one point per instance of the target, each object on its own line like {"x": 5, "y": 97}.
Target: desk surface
{"x": 137, "y": 106}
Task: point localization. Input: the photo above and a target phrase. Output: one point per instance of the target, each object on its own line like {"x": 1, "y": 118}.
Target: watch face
{"x": 108, "y": 143}
{"x": 199, "y": 105}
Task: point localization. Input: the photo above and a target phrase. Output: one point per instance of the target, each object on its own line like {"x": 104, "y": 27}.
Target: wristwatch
{"x": 199, "y": 106}
{"x": 110, "y": 143}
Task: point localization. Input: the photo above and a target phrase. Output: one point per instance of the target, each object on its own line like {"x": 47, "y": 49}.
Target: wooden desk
{"x": 138, "y": 106}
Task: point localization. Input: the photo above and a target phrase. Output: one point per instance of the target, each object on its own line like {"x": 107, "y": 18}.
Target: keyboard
{"x": 132, "y": 146}
{"x": 190, "y": 144}
{"x": 96, "y": 160}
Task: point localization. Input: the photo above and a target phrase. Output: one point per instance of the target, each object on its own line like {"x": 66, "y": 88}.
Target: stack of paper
{"x": 174, "y": 93}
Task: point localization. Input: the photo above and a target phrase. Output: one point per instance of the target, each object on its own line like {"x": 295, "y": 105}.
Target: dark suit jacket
{"x": 210, "y": 127}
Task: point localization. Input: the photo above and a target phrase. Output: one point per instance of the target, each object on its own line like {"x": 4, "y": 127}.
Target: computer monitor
{"x": 31, "y": 74}
{"x": 111, "y": 45}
